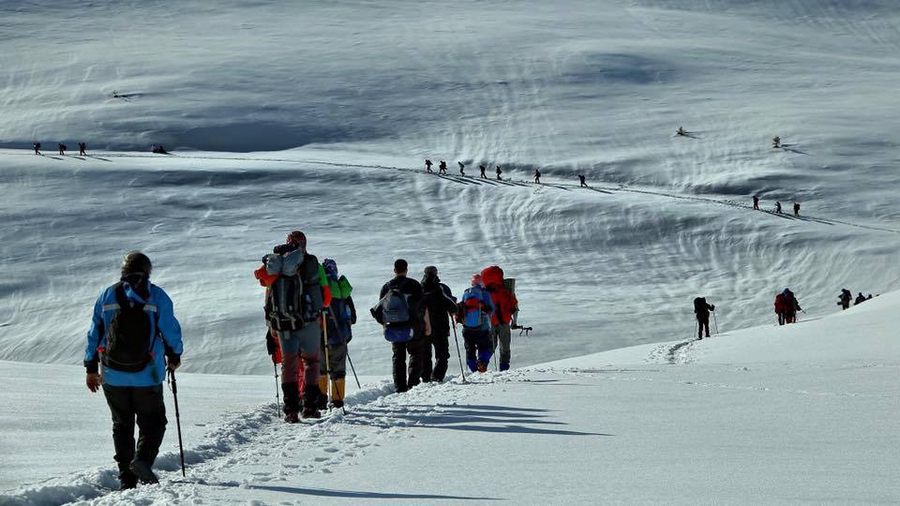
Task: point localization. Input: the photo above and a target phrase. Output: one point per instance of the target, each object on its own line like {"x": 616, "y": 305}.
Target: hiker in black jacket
{"x": 400, "y": 312}
{"x": 701, "y": 310}
{"x": 439, "y": 304}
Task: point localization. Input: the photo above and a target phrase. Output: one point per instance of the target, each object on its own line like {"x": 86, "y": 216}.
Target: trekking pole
{"x": 353, "y": 370}
{"x": 332, "y": 386}
{"x": 174, "y": 386}
{"x": 277, "y": 397}
{"x": 716, "y": 321}
{"x": 458, "y": 354}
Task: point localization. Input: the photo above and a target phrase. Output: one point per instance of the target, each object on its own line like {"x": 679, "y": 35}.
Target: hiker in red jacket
{"x": 505, "y": 304}
{"x": 780, "y": 307}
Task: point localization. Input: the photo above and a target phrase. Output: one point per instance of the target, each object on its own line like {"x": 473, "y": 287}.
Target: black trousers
{"x": 441, "y": 344}
{"x": 701, "y": 324}
{"x": 414, "y": 371}
{"x": 144, "y": 405}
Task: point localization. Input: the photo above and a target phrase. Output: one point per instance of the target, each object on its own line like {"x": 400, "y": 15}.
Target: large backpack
{"x": 294, "y": 298}
{"x": 472, "y": 311}
{"x": 395, "y": 307}
{"x": 130, "y": 337}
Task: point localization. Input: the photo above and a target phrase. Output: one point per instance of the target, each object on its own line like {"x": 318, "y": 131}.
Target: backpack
{"x": 395, "y": 307}
{"x": 129, "y": 340}
{"x": 291, "y": 300}
{"x": 472, "y": 312}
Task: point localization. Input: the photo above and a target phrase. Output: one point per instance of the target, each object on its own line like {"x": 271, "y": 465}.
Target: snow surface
{"x": 327, "y": 109}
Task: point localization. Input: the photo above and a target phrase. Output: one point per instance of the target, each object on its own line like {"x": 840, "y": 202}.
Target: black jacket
{"x": 413, "y": 290}
{"x": 440, "y": 303}
{"x": 702, "y": 309}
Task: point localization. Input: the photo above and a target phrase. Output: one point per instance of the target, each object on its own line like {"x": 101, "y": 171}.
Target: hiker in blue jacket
{"x": 133, "y": 339}
{"x": 475, "y": 310}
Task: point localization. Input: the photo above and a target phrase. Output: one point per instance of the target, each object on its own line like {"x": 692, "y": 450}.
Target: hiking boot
{"x": 291, "y": 418}
{"x": 481, "y": 366}
{"x": 322, "y": 402}
{"x": 337, "y": 403}
{"x": 127, "y": 480}
{"x": 310, "y": 412}
{"x": 143, "y": 472}
{"x": 504, "y": 366}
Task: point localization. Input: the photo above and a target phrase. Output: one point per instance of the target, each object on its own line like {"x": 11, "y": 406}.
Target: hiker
{"x": 680, "y": 131}
{"x": 399, "y": 311}
{"x": 440, "y": 305}
{"x": 776, "y": 142}
{"x": 37, "y": 147}
{"x": 796, "y": 209}
{"x": 701, "y": 311}
{"x": 82, "y": 149}
{"x": 791, "y": 306}
{"x": 581, "y": 179}
{"x": 428, "y": 165}
{"x": 290, "y": 274}
{"x": 780, "y": 308}
{"x": 499, "y": 178}
{"x": 844, "y": 298}
{"x": 339, "y": 318}
{"x": 442, "y": 167}
{"x": 756, "y": 202}
{"x": 778, "y": 207}
{"x": 62, "y": 149}
{"x": 505, "y": 306}
{"x": 537, "y": 176}
{"x": 859, "y": 299}
{"x": 462, "y": 168}
{"x": 483, "y": 176}
{"x": 158, "y": 149}
{"x": 135, "y": 337}
{"x": 474, "y": 312}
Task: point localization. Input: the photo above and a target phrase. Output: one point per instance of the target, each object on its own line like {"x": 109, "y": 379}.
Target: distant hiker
{"x": 37, "y": 147}
{"x": 62, "y": 149}
{"x": 440, "y": 306}
{"x": 296, "y": 292}
{"x": 681, "y": 131}
{"x": 776, "y": 142}
{"x": 581, "y": 179}
{"x": 701, "y": 311}
{"x": 442, "y": 167}
{"x": 791, "y": 306}
{"x": 428, "y": 165}
{"x": 82, "y": 149}
{"x": 796, "y": 209}
{"x": 780, "y": 308}
{"x": 158, "y": 149}
{"x": 844, "y": 298}
{"x": 537, "y": 176}
{"x": 474, "y": 312}
{"x": 499, "y": 178}
{"x": 859, "y": 299}
{"x": 482, "y": 171}
{"x": 400, "y": 312}
{"x": 462, "y": 169}
{"x": 505, "y": 306}
{"x": 339, "y": 318}
{"x": 778, "y": 207}
{"x": 868, "y": 297}
{"x": 135, "y": 337}
{"x": 756, "y": 202}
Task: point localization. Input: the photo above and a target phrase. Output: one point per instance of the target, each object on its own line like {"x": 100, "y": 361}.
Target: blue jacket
{"x": 163, "y": 325}
{"x": 472, "y": 319}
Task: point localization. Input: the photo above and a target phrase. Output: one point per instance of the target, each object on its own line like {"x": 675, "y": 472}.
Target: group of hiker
{"x": 82, "y": 148}
{"x": 846, "y": 297}
{"x": 777, "y": 206}
{"x": 442, "y": 171}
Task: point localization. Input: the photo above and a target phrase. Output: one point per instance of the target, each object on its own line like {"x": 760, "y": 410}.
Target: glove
{"x": 173, "y": 362}
{"x": 712, "y": 307}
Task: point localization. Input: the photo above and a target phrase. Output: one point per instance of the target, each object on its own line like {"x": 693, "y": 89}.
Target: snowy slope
{"x": 764, "y": 415}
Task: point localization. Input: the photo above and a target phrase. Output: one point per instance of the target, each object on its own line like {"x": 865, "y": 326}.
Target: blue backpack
{"x": 476, "y": 314}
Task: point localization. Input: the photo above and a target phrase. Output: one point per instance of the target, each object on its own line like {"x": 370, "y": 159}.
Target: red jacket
{"x": 780, "y": 304}
{"x": 505, "y": 302}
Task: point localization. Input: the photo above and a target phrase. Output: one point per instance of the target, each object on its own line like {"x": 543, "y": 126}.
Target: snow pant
{"x": 478, "y": 347}
{"x": 790, "y": 317}
{"x": 146, "y": 405}
{"x": 702, "y": 322}
{"x": 296, "y": 346}
{"x": 501, "y": 338}
{"x": 406, "y": 378}
{"x": 441, "y": 343}
{"x": 781, "y": 318}
{"x": 845, "y": 304}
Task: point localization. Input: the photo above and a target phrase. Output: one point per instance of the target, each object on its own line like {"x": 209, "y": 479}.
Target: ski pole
{"x": 353, "y": 370}
{"x": 277, "y": 398}
{"x": 716, "y": 321}
{"x": 332, "y": 387}
{"x": 174, "y": 386}
{"x": 458, "y": 354}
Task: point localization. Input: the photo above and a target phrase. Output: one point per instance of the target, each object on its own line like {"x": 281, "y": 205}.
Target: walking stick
{"x": 174, "y": 386}
{"x": 353, "y": 369}
{"x": 716, "y": 321}
{"x": 332, "y": 387}
{"x": 277, "y": 397}
{"x": 458, "y": 354}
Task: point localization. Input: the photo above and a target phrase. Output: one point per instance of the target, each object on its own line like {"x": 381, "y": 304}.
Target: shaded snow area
{"x": 318, "y": 116}
{"x": 768, "y": 415}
